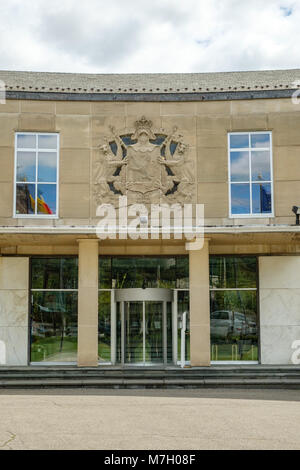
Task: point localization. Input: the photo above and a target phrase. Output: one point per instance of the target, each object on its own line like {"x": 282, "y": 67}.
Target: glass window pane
{"x": 183, "y": 304}
{"x": 239, "y": 141}
{"x": 46, "y": 201}
{"x": 261, "y": 168}
{"x": 261, "y": 198}
{"x": 234, "y": 326}
{"x": 182, "y": 272}
{"x": 47, "y": 167}
{"x": 240, "y": 199}
{"x": 26, "y": 141}
{"x": 143, "y": 272}
{"x": 239, "y": 166}
{"x": 47, "y": 142}
{"x": 26, "y": 164}
{"x": 260, "y": 140}
{"x": 54, "y": 273}
{"x": 228, "y": 272}
{"x": 104, "y": 327}
{"x": 25, "y": 199}
{"x": 54, "y": 327}
{"x": 105, "y": 272}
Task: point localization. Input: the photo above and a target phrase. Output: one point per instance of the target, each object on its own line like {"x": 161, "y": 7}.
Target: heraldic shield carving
{"x": 146, "y": 165}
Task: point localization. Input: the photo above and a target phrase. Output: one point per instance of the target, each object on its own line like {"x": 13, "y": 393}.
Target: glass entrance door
{"x": 144, "y": 326}
{"x": 144, "y": 332}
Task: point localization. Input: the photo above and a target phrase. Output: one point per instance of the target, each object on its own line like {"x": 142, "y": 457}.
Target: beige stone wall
{"x": 14, "y": 293}
{"x": 204, "y": 126}
{"x": 279, "y": 295}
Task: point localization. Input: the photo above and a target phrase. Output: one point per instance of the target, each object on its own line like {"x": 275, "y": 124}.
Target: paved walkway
{"x": 150, "y": 419}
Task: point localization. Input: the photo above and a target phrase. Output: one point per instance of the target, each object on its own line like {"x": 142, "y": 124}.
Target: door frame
{"x": 145, "y": 295}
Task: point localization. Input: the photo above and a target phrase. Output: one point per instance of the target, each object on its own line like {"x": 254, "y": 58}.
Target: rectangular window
{"x": 36, "y": 174}
{"x": 53, "y": 316}
{"x": 233, "y": 308}
{"x": 250, "y": 174}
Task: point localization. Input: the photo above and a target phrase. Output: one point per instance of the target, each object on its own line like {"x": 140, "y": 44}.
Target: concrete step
{"x": 215, "y": 376}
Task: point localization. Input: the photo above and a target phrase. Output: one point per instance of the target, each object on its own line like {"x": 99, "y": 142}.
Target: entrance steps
{"x": 256, "y": 376}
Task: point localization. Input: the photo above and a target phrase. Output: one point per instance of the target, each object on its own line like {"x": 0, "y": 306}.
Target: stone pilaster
{"x": 88, "y": 303}
{"x": 199, "y": 306}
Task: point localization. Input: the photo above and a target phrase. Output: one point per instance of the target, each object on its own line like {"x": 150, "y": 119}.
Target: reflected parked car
{"x": 225, "y": 323}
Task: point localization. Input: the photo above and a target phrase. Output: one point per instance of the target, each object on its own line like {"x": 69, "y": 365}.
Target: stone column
{"x": 88, "y": 303}
{"x": 199, "y": 306}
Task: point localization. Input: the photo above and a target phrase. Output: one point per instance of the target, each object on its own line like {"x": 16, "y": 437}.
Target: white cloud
{"x": 141, "y": 36}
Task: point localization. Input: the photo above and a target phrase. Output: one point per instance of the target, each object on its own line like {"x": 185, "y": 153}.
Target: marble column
{"x": 199, "y": 306}
{"x": 88, "y": 303}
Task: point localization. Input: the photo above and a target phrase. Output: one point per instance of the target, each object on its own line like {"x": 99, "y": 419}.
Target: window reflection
{"x": 54, "y": 327}
{"x": 25, "y": 199}
{"x": 104, "y": 327}
{"x": 239, "y": 141}
{"x": 133, "y": 272}
{"x": 240, "y": 199}
{"x": 239, "y": 166}
{"x": 47, "y": 167}
{"x": 26, "y": 166}
{"x": 233, "y": 326}
{"x": 33, "y": 167}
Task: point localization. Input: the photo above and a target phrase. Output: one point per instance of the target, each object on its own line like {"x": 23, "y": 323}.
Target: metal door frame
{"x": 144, "y": 295}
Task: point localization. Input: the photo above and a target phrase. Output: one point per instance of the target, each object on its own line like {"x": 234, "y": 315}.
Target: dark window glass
{"x": 130, "y": 272}
{"x": 234, "y": 326}
{"x": 54, "y": 327}
{"x": 54, "y": 273}
{"x": 227, "y": 272}
{"x": 183, "y": 305}
{"x": 104, "y": 326}
{"x": 104, "y": 272}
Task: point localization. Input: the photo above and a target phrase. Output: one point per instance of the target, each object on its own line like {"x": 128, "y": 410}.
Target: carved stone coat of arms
{"x": 146, "y": 165}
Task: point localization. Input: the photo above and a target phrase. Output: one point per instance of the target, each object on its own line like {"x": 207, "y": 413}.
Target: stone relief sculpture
{"x": 145, "y": 165}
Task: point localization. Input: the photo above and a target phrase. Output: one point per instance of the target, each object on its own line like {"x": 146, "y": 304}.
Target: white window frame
{"x": 251, "y": 215}
{"x": 37, "y": 134}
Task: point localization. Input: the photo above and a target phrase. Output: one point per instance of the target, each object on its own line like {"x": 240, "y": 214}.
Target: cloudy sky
{"x": 139, "y": 36}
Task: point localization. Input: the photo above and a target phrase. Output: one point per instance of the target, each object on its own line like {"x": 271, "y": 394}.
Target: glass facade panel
{"x": 104, "y": 327}
{"x": 54, "y": 326}
{"x": 154, "y": 332}
{"x": 233, "y": 312}
{"x": 227, "y": 272}
{"x": 183, "y": 305}
{"x": 54, "y": 273}
{"x": 234, "y": 325}
{"x": 135, "y": 272}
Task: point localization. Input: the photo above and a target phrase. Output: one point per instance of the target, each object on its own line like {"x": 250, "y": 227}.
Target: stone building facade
{"x": 71, "y": 142}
